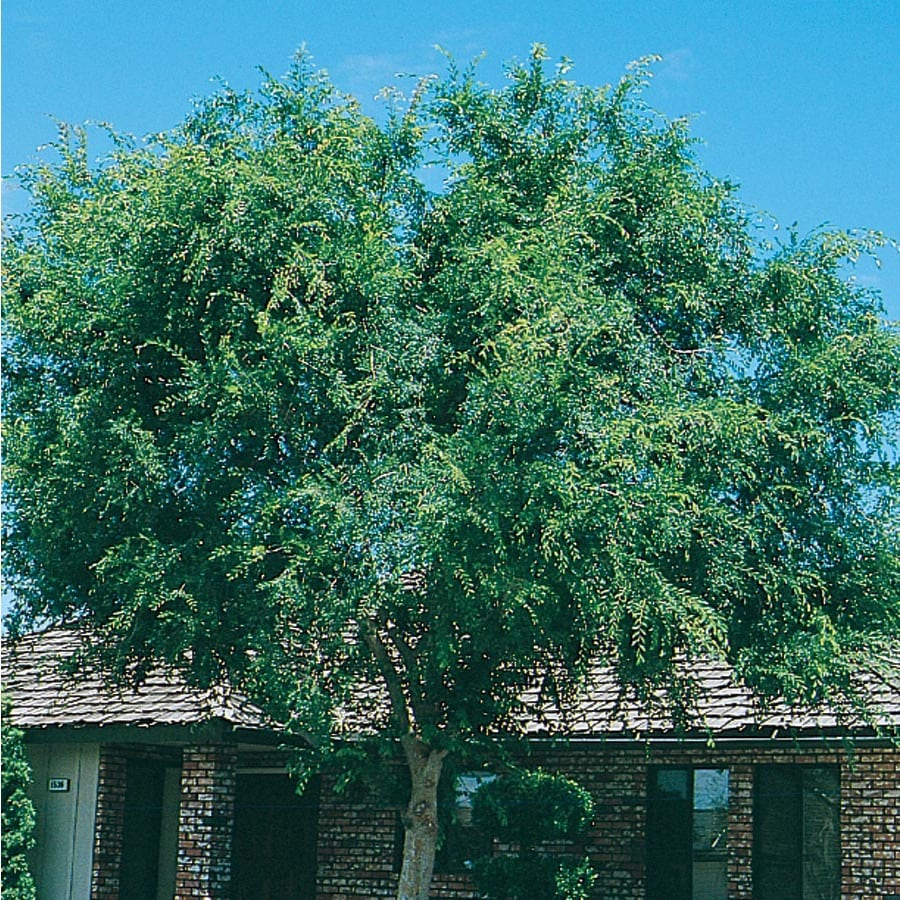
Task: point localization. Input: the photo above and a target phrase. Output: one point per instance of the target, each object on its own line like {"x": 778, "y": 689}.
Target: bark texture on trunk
{"x": 420, "y": 822}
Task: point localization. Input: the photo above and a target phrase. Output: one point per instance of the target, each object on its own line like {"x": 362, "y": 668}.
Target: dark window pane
{"x": 461, "y": 846}
{"x": 671, "y": 783}
{"x": 796, "y": 845}
{"x": 275, "y": 830}
{"x": 669, "y": 834}
{"x": 821, "y": 834}
{"x": 777, "y": 837}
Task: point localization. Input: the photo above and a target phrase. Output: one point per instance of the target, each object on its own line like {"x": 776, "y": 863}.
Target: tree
{"x": 271, "y": 402}
{"x": 18, "y": 814}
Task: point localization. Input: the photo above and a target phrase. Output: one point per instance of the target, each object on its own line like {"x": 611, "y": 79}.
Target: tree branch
{"x": 399, "y": 705}
{"x": 422, "y": 711}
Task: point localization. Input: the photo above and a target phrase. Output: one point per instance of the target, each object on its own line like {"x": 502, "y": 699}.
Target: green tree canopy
{"x": 270, "y": 401}
{"x": 18, "y": 818}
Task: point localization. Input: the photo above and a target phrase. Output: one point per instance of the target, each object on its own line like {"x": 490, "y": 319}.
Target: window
{"x": 687, "y": 824}
{"x": 796, "y": 833}
{"x": 461, "y": 842}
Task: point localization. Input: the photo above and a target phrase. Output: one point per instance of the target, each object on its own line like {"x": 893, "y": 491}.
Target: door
{"x": 274, "y": 855}
{"x": 138, "y": 874}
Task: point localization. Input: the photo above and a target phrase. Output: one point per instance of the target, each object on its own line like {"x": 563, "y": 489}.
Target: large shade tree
{"x": 270, "y": 401}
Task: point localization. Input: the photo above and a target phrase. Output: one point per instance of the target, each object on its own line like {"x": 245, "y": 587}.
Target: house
{"x": 165, "y": 791}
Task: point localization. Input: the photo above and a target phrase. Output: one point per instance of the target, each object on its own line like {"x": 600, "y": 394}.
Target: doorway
{"x": 275, "y": 828}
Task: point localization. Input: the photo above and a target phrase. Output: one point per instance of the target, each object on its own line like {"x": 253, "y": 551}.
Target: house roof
{"x": 46, "y": 697}
{"x": 717, "y": 705}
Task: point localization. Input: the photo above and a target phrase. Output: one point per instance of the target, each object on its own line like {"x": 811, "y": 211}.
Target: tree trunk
{"x": 420, "y": 821}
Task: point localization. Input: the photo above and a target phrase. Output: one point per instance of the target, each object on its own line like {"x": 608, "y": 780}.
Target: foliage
{"x": 18, "y": 814}
{"x": 527, "y": 809}
{"x": 574, "y": 880}
{"x": 271, "y": 403}
{"x": 525, "y": 877}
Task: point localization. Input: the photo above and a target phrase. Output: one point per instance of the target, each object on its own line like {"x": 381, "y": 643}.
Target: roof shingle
{"x": 719, "y": 705}
{"x": 44, "y": 697}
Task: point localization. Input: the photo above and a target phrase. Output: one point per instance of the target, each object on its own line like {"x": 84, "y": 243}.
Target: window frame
{"x": 461, "y": 840}
{"x": 795, "y": 866}
{"x": 670, "y": 871}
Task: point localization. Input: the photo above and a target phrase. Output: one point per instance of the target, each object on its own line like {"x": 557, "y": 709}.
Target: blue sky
{"x": 798, "y": 101}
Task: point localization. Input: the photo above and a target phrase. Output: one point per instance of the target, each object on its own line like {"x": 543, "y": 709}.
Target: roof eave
{"x": 215, "y": 730}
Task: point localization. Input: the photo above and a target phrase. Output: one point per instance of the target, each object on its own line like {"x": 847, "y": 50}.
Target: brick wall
{"x": 356, "y": 848}
{"x": 206, "y": 821}
{"x": 112, "y": 784}
{"x": 357, "y": 852}
{"x": 870, "y": 824}
{"x": 740, "y": 828}
{"x": 109, "y": 824}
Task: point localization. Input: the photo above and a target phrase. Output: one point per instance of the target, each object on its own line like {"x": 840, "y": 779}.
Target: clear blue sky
{"x": 798, "y": 100}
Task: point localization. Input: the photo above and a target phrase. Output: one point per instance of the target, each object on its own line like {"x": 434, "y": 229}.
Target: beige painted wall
{"x": 62, "y": 859}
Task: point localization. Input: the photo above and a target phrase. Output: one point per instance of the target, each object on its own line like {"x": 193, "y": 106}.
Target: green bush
{"x": 528, "y": 809}
{"x": 528, "y": 877}
{"x": 574, "y": 880}
{"x": 18, "y": 814}
{"x": 531, "y": 807}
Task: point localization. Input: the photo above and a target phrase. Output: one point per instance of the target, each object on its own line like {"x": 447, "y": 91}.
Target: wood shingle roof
{"x": 45, "y": 696}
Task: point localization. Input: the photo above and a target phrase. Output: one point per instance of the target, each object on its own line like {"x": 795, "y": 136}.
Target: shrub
{"x": 18, "y": 814}
{"x": 527, "y": 810}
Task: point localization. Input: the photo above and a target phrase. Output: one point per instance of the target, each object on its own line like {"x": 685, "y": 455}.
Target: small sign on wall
{"x": 58, "y": 785}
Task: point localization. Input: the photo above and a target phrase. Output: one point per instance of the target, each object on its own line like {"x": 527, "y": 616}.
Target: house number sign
{"x": 58, "y": 785}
